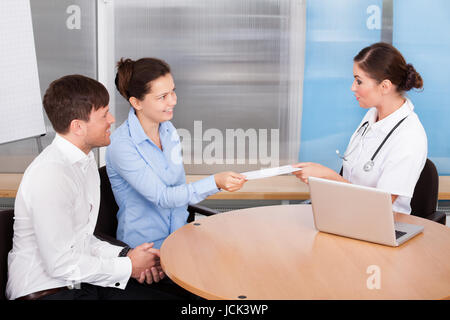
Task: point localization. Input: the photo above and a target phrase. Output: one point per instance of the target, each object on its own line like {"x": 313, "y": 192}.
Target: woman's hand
{"x": 229, "y": 181}
{"x": 310, "y": 169}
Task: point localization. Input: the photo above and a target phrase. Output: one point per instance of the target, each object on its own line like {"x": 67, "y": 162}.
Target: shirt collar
{"x": 390, "y": 121}
{"x": 73, "y": 153}
{"x": 137, "y": 133}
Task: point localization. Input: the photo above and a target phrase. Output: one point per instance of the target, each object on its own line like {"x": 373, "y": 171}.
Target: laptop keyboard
{"x": 398, "y": 234}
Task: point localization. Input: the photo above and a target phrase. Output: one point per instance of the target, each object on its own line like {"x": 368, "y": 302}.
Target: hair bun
{"x": 123, "y": 76}
{"x": 125, "y": 63}
{"x": 412, "y": 80}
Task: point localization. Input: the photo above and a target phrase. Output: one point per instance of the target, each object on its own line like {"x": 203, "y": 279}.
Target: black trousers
{"x": 165, "y": 289}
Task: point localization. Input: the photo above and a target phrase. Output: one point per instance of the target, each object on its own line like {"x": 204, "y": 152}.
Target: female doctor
{"x": 389, "y": 148}
{"x": 144, "y": 161}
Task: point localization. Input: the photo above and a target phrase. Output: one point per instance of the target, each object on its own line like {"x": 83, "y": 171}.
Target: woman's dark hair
{"x": 73, "y": 97}
{"x": 133, "y": 77}
{"x": 383, "y": 61}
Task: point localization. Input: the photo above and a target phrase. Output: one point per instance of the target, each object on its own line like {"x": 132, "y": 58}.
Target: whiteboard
{"x": 21, "y": 112}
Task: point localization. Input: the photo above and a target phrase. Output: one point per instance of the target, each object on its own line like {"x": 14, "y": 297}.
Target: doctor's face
{"x": 367, "y": 90}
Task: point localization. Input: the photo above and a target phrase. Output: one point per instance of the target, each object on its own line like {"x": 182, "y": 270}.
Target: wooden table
{"x": 273, "y": 188}
{"x": 288, "y": 187}
{"x": 275, "y": 253}
{"x": 9, "y": 184}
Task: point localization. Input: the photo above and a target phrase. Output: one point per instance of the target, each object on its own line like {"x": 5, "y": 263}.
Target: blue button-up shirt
{"x": 149, "y": 184}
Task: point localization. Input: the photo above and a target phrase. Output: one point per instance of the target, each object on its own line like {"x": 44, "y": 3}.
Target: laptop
{"x": 357, "y": 212}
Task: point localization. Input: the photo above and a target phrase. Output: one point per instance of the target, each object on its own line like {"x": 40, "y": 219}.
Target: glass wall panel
{"x": 260, "y": 82}
{"x": 237, "y": 73}
{"x": 335, "y": 32}
{"x": 421, "y": 34}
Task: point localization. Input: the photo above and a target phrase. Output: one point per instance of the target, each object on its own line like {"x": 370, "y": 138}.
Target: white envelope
{"x": 269, "y": 172}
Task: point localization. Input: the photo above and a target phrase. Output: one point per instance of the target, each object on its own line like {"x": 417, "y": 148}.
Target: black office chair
{"x": 107, "y": 217}
{"x": 106, "y": 226}
{"x": 6, "y": 241}
{"x": 425, "y": 197}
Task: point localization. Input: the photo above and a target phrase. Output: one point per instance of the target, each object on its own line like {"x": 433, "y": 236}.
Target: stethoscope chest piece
{"x": 368, "y": 166}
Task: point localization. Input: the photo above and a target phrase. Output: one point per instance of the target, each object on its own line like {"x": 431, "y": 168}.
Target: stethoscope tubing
{"x": 369, "y": 164}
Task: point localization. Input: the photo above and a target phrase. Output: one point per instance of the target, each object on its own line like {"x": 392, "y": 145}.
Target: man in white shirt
{"x": 55, "y": 254}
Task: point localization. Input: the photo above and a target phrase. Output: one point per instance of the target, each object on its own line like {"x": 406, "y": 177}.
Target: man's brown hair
{"x": 73, "y": 97}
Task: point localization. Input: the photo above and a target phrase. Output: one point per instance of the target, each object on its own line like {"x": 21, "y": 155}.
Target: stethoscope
{"x": 368, "y": 166}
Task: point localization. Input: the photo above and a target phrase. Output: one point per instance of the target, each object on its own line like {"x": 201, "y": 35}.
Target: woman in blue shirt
{"x": 144, "y": 162}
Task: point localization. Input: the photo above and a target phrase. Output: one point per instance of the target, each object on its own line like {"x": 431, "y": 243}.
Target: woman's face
{"x": 157, "y": 105}
{"x": 367, "y": 90}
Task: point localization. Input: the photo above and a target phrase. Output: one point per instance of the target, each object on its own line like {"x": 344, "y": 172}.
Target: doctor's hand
{"x": 310, "y": 169}
{"x": 229, "y": 181}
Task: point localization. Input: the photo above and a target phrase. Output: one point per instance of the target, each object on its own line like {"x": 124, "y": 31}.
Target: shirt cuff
{"x": 206, "y": 186}
{"x": 122, "y": 272}
{"x": 110, "y": 251}
{"x": 113, "y": 250}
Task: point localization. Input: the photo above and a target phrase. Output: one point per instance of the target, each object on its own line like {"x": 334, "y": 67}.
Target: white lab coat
{"x": 398, "y": 164}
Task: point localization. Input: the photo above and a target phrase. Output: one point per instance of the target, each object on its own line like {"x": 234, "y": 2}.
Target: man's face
{"x": 98, "y": 128}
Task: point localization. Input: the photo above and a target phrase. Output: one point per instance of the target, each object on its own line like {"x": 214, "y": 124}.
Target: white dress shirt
{"x": 56, "y": 211}
{"x": 398, "y": 164}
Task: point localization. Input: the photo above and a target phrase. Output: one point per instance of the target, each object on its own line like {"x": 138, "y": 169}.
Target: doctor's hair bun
{"x": 123, "y": 76}
{"x": 382, "y": 61}
{"x": 412, "y": 79}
